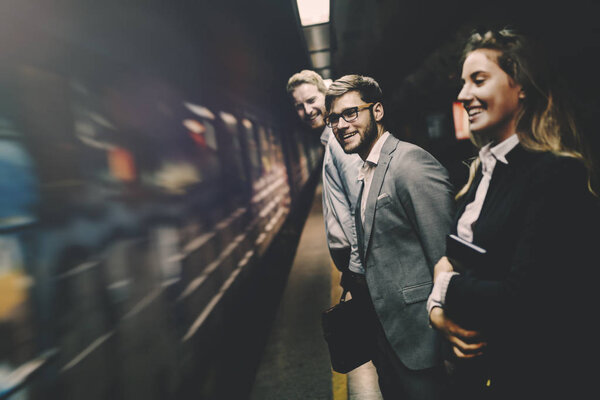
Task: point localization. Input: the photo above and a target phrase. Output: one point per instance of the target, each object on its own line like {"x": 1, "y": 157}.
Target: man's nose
{"x": 309, "y": 109}
{"x": 342, "y": 123}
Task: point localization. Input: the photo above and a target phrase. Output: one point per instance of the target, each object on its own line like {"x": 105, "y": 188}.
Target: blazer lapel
{"x": 378, "y": 177}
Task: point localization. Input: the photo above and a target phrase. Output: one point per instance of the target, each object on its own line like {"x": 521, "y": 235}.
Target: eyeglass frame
{"x": 341, "y": 115}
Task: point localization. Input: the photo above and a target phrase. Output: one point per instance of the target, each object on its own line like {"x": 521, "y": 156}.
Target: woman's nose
{"x": 465, "y": 94}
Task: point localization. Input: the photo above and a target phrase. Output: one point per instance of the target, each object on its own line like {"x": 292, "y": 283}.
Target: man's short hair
{"x": 367, "y": 88}
{"x": 306, "y": 76}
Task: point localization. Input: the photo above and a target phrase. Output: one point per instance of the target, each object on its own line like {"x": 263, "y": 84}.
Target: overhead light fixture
{"x": 320, "y": 59}
{"x": 325, "y": 73}
{"x": 313, "y": 12}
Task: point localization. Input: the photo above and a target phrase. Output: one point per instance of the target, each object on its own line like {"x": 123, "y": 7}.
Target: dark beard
{"x": 370, "y": 135}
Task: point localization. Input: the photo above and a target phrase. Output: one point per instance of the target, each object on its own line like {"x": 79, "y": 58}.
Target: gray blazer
{"x": 408, "y": 213}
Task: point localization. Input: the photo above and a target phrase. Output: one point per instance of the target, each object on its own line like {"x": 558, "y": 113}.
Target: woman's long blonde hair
{"x": 546, "y": 123}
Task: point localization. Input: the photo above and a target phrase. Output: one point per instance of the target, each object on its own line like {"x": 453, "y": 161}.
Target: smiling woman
{"x": 529, "y": 204}
{"x": 491, "y": 97}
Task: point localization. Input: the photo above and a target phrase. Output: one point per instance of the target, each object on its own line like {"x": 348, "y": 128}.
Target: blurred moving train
{"x": 130, "y": 205}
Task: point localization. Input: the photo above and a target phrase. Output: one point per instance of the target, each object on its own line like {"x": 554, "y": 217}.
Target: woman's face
{"x": 491, "y": 97}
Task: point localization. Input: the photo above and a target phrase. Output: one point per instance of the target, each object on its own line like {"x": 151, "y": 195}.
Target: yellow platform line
{"x": 339, "y": 382}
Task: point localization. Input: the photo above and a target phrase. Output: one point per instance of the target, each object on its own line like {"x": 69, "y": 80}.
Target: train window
{"x": 235, "y": 151}
{"x": 264, "y": 149}
{"x": 48, "y": 126}
{"x": 100, "y": 160}
{"x": 253, "y": 150}
{"x": 270, "y": 151}
{"x": 203, "y": 132}
{"x": 303, "y": 159}
{"x": 18, "y": 201}
{"x": 276, "y": 148}
{"x": 18, "y": 181}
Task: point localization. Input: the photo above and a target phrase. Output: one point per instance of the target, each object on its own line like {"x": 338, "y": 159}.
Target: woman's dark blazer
{"x": 539, "y": 225}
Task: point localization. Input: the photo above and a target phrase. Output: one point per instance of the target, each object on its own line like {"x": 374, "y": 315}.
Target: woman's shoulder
{"x": 552, "y": 163}
{"x": 558, "y": 170}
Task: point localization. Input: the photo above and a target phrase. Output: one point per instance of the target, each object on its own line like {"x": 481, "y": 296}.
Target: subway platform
{"x": 295, "y": 363}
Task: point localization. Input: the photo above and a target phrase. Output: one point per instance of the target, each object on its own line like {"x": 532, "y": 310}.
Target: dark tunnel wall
{"x": 213, "y": 50}
{"x": 413, "y": 49}
{"x": 149, "y": 160}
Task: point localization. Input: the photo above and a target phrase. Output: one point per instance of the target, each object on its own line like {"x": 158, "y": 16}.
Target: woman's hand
{"x": 465, "y": 343}
{"x": 443, "y": 265}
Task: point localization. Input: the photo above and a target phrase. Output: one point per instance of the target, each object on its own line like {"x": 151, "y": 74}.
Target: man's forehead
{"x": 350, "y": 99}
{"x": 305, "y": 90}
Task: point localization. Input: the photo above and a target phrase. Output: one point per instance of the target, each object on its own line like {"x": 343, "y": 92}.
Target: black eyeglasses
{"x": 349, "y": 115}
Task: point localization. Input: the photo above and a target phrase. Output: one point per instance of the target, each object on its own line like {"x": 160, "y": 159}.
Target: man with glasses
{"x": 402, "y": 216}
{"x": 340, "y": 187}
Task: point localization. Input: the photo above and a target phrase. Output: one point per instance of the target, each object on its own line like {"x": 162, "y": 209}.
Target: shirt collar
{"x": 326, "y": 135}
{"x": 373, "y": 157}
{"x": 500, "y": 150}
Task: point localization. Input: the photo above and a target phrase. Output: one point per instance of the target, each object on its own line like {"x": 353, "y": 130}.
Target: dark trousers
{"x": 396, "y": 381}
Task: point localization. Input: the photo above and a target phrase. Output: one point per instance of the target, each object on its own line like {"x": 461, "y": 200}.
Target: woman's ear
{"x": 521, "y": 94}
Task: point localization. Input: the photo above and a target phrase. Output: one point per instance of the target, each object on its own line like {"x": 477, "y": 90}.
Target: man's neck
{"x": 365, "y": 154}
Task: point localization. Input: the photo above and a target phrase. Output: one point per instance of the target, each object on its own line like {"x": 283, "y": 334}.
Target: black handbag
{"x": 346, "y": 332}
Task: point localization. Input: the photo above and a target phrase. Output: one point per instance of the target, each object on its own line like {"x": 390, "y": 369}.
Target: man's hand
{"x": 465, "y": 343}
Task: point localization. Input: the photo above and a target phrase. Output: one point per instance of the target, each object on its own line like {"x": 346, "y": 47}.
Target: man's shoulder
{"x": 413, "y": 163}
{"x": 397, "y": 147}
{"x": 406, "y": 152}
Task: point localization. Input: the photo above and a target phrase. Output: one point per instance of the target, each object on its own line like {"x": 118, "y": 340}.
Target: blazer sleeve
{"x": 548, "y": 261}
{"x": 338, "y": 207}
{"x": 426, "y": 194}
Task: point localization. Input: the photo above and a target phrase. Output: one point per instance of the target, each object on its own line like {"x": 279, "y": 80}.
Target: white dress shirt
{"x": 367, "y": 169}
{"x": 340, "y": 193}
{"x": 489, "y": 156}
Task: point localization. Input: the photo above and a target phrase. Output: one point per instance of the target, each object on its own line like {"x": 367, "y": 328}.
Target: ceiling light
{"x": 313, "y": 12}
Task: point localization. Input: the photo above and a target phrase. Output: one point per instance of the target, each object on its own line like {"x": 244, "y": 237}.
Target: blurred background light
{"x": 200, "y": 110}
{"x": 461, "y": 121}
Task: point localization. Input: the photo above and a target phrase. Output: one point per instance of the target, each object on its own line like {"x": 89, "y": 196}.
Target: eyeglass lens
{"x": 348, "y": 115}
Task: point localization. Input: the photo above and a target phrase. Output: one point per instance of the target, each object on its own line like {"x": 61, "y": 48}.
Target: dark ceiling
{"x": 412, "y": 49}
{"x": 248, "y": 48}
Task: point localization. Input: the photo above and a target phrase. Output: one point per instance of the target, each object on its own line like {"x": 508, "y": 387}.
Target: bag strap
{"x": 343, "y": 298}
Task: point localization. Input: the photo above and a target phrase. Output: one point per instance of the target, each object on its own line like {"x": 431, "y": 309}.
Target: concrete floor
{"x": 295, "y": 364}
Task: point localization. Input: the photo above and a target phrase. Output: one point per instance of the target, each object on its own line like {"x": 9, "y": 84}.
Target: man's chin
{"x": 350, "y": 148}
